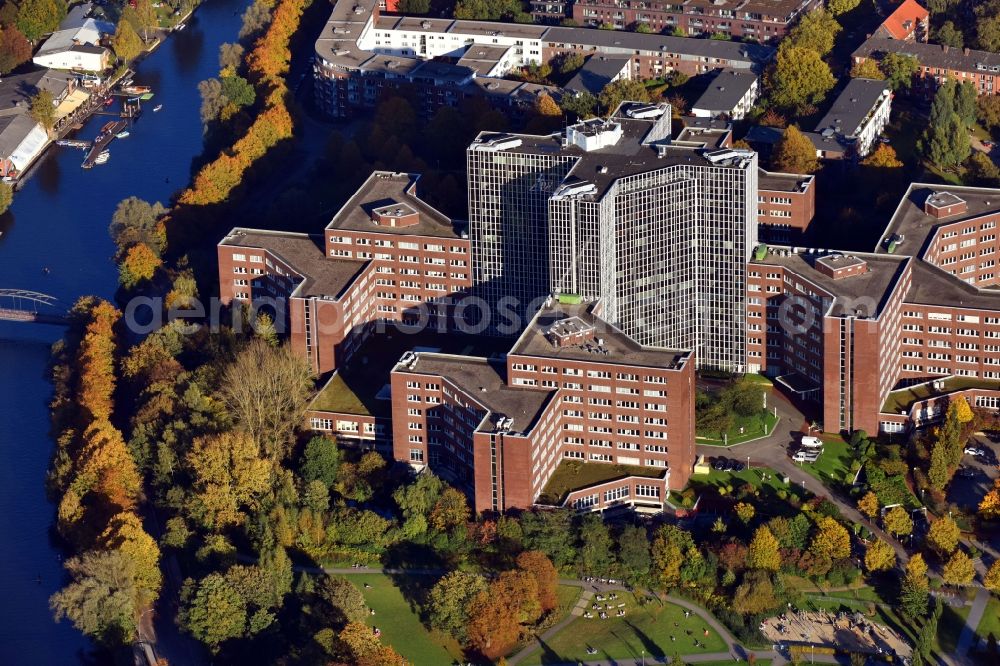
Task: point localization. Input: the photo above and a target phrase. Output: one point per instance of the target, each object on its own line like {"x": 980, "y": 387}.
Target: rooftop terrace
{"x": 573, "y": 475}
{"x": 304, "y": 253}
{"x": 903, "y": 399}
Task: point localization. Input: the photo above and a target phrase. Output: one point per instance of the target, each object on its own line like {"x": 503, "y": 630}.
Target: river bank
{"x": 59, "y": 221}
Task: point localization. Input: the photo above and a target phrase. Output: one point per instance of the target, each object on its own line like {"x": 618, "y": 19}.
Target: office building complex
{"x": 613, "y": 210}
{"x": 361, "y": 54}
{"x": 760, "y": 20}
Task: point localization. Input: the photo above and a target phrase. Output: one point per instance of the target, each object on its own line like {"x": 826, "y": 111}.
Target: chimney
{"x": 945, "y": 47}
{"x": 966, "y": 50}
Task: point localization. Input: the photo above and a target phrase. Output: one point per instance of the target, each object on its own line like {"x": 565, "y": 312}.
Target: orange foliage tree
{"x": 536, "y": 563}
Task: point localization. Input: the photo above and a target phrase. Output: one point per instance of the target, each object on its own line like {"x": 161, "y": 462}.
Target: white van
{"x": 810, "y": 442}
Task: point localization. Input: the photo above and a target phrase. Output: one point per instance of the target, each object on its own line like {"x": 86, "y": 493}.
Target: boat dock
{"x": 102, "y": 140}
{"x": 73, "y": 143}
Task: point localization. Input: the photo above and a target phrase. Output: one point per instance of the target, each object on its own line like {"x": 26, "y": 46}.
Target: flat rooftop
{"x": 783, "y": 182}
{"x": 305, "y": 253}
{"x": 916, "y": 226}
{"x": 609, "y": 344}
{"x": 877, "y": 283}
{"x": 603, "y": 166}
{"x": 852, "y": 106}
{"x": 933, "y": 286}
{"x": 384, "y": 188}
{"x": 483, "y": 379}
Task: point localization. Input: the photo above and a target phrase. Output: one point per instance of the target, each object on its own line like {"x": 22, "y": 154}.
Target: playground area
{"x": 849, "y": 632}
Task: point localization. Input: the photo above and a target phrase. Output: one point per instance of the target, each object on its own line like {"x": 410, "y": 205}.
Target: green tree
{"x": 448, "y": 602}
{"x": 799, "y": 78}
{"x": 622, "y": 90}
{"x": 238, "y": 90}
{"x": 580, "y": 105}
{"x": 596, "y": 554}
{"x": 982, "y": 170}
{"x": 867, "y": 69}
{"x": 417, "y": 7}
{"x": 552, "y": 533}
{"x": 838, "y": 7}
{"x": 145, "y": 14}
{"x": 212, "y": 610}
{"x": 949, "y": 35}
{"x": 794, "y": 153}
{"x": 15, "y": 49}
{"x": 899, "y": 70}
{"x": 914, "y": 595}
{"x": 43, "y": 109}
{"x": 320, "y": 460}
{"x": 136, "y": 221}
{"x": 988, "y": 111}
{"x": 419, "y": 497}
{"x": 947, "y": 143}
{"x": 36, "y": 18}
{"x": 346, "y": 600}
{"x": 102, "y": 598}
{"x": 763, "y": 551}
{"x": 816, "y": 30}
{"x": 6, "y": 197}
{"x": 965, "y": 102}
{"x": 633, "y": 552}
{"x": 938, "y": 474}
{"x": 988, "y": 33}
{"x": 125, "y": 43}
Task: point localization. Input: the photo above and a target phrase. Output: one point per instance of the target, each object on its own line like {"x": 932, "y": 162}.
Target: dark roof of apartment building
{"x": 608, "y": 344}
{"x": 484, "y": 381}
{"x": 385, "y": 188}
{"x": 876, "y": 283}
{"x": 932, "y": 55}
{"x": 305, "y": 254}
{"x": 915, "y": 226}
{"x": 726, "y": 90}
{"x": 17, "y": 90}
{"x": 852, "y": 106}
{"x": 628, "y": 42}
{"x": 783, "y": 182}
{"x": 596, "y": 73}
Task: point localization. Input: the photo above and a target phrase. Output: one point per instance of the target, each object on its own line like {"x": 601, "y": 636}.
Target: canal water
{"x": 55, "y": 240}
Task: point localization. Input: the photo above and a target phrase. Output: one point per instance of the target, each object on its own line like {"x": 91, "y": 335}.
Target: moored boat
{"x": 103, "y": 157}
{"x": 122, "y": 135}
{"x": 157, "y": 108}
{"x": 136, "y": 90}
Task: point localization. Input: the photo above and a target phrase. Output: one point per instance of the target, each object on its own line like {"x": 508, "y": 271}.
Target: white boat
{"x": 122, "y": 135}
{"x": 157, "y": 108}
{"x": 103, "y": 157}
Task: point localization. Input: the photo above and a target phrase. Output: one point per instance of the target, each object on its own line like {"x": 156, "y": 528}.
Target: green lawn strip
{"x": 755, "y": 477}
{"x": 759, "y": 425}
{"x": 990, "y": 624}
{"x": 834, "y": 464}
{"x": 400, "y": 624}
{"x": 950, "y": 628}
{"x": 646, "y": 628}
{"x": 568, "y": 596}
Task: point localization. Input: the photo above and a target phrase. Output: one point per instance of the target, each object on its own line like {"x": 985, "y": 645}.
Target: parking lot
{"x": 975, "y": 476}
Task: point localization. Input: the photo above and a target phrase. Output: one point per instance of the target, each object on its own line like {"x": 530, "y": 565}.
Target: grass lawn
{"x": 568, "y": 596}
{"x": 904, "y": 398}
{"x": 400, "y": 624}
{"x": 990, "y": 624}
{"x": 646, "y": 628}
{"x": 754, "y": 477}
{"x": 834, "y": 465}
{"x": 573, "y": 474}
{"x": 753, "y": 427}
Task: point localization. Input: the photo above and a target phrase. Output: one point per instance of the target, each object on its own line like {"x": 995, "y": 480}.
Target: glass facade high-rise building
{"x": 659, "y": 230}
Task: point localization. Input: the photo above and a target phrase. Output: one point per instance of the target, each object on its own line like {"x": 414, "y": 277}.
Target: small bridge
{"x": 23, "y": 305}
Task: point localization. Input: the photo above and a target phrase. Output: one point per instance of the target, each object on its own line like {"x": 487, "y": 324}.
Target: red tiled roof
{"x": 904, "y": 20}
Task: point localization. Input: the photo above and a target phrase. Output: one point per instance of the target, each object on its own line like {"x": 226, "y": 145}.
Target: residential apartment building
{"x": 908, "y": 22}
{"x": 614, "y": 211}
{"x": 938, "y": 63}
{"x": 858, "y": 116}
{"x": 572, "y": 387}
{"x": 731, "y": 95}
{"x": 361, "y": 54}
{"x": 760, "y": 20}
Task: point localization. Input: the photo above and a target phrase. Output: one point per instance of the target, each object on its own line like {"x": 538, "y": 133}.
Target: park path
{"x": 968, "y": 635}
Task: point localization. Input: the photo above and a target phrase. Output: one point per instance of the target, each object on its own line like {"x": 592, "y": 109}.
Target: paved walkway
{"x": 967, "y": 639}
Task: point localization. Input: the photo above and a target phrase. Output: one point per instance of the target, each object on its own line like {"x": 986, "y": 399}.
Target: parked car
{"x": 805, "y": 456}
{"x": 974, "y": 451}
{"x": 810, "y": 442}
{"x": 720, "y": 464}
{"x": 736, "y": 466}
{"x": 965, "y": 473}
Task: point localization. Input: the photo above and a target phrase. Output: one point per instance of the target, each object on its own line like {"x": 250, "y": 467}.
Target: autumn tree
{"x": 229, "y": 477}
{"x": 958, "y": 570}
{"x": 763, "y": 551}
{"x": 670, "y": 547}
{"x": 145, "y": 14}
{"x": 107, "y": 468}
{"x": 883, "y": 157}
{"x": 136, "y": 221}
{"x": 869, "y": 504}
{"x": 102, "y": 598}
{"x": 879, "y": 556}
{"x": 36, "y": 18}
{"x": 867, "y": 69}
{"x": 139, "y": 264}
{"x": 212, "y": 610}
{"x": 831, "y": 539}
{"x": 126, "y": 535}
{"x": 816, "y": 30}
{"x": 943, "y": 535}
{"x": 622, "y": 90}
{"x": 547, "y": 106}
{"x": 267, "y": 389}
{"x": 794, "y": 153}
{"x": 914, "y": 594}
{"x": 745, "y": 511}
{"x": 43, "y": 109}
{"x": 992, "y": 578}
{"x": 546, "y": 577}
{"x": 897, "y": 521}
{"x": 799, "y": 78}
{"x": 496, "y": 615}
{"x": 989, "y": 506}
{"x": 450, "y": 510}
{"x": 126, "y": 43}
{"x": 15, "y": 49}
{"x": 448, "y": 603}
{"x": 755, "y": 594}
